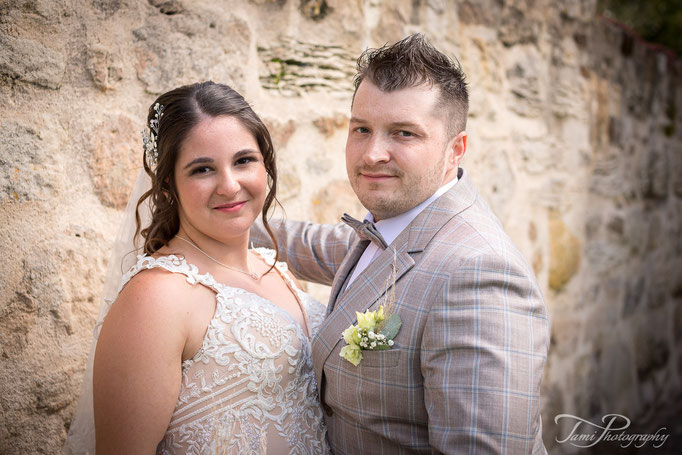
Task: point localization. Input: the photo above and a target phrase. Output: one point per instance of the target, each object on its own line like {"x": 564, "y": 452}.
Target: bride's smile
{"x": 229, "y": 208}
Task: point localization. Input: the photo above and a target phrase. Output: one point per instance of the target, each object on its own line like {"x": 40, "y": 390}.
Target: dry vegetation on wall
{"x": 575, "y": 135}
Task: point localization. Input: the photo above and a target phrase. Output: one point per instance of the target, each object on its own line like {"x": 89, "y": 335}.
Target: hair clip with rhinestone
{"x": 151, "y": 151}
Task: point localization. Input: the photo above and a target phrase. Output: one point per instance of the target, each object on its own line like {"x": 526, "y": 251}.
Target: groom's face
{"x": 398, "y": 153}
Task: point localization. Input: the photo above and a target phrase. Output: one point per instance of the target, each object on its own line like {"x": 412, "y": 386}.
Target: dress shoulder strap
{"x": 174, "y": 264}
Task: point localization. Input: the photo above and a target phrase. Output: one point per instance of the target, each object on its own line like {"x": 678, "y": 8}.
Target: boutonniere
{"x": 375, "y": 330}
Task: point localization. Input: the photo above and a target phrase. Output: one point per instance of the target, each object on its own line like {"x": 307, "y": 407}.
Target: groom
{"x": 463, "y": 375}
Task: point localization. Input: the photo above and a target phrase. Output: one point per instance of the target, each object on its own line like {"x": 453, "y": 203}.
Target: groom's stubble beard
{"x": 414, "y": 188}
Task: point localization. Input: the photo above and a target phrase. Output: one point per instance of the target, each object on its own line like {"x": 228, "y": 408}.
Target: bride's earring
{"x": 169, "y": 197}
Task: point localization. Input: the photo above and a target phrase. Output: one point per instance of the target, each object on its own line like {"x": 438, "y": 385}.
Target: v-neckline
{"x": 305, "y": 329}
{"x": 289, "y": 283}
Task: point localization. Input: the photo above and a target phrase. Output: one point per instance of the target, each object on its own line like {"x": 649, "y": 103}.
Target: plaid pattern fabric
{"x": 464, "y": 374}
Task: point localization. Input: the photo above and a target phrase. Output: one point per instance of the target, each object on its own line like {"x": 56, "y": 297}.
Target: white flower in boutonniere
{"x": 375, "y": 330}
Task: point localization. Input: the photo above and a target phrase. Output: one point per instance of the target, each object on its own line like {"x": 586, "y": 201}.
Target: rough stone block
{"x": 104, "y": 68}
{"x": 485, "y": 12}
{"x": 266, "y": 2}
{"x": 587, "y": 400}
{"x": 524, "y": 74}
{"x": 31, "y": 61}
{"x": 288, "y": 182}
{"x": 315, "y": 9}
{"x": 107, "y": 7}
{"x": 53, "y": 390}
{"x": 616, "y": 383}
{"x": 168, "y": 7}
{"x": 329, "y": 125}
{"x": 293, "y": 67}
{"x": 565, "y": 332}
{"x": 658, "y": 291}
{"x": 654, "y": 174}
{"x": 616, "y": 225}
{"x": 675, "y": 160}
{"x": 280, "y": 132}
{"x": 511, "y": 33}
{"x": 537, "y": 156}
{"x": 495, "y": 178}
{"x": 115, "y": 160}
{"x": 207, "y": 44}
{"x": 537, "y": 262}
{"x": 652, "y": 351}
{"x": 15, "y": 325}
{"x": 20, "y": 147}
{"x": 634, "y": 295}
{"x": 333, "y": 201}
{"x": 565, "y": 252}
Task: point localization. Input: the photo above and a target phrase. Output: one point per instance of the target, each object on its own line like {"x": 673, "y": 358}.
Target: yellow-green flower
{"x": 352, "y": 335}
{"x": 380, "y": 315}
{"x": 366, "y": 319}
{"x": 352, "y": 353}
{"x": 370, "y": 319}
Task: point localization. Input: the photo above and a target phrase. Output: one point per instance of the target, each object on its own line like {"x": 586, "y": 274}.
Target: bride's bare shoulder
{"x": 159, "y": 287}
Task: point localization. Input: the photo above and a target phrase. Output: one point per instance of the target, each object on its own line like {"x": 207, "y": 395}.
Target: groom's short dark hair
{"x": 413, "y": 61}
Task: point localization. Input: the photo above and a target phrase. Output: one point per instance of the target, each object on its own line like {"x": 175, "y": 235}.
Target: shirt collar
{"x": 390, "y": 228}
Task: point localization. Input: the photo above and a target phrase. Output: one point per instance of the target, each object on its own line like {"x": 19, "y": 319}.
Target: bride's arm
{"x": 137, "y": 369}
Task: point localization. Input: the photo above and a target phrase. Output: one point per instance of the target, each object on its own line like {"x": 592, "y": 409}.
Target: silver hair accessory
{"x": 149, "y": 140}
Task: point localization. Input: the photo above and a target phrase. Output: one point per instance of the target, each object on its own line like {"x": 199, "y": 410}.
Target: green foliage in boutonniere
{"x": 375, "y": 330}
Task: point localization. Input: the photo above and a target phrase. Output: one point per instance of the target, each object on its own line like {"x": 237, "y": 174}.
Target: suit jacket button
{"x": 327, "y": 410}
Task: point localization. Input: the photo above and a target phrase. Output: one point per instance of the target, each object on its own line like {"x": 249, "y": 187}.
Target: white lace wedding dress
{"x": 251, "y": 387}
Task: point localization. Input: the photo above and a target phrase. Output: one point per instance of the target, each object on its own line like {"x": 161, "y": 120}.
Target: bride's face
{"x": 220, "y": 179}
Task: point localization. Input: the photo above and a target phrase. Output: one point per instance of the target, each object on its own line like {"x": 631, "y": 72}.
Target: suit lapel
{"x": 363, "y": 292}
{"x": 345, "y": 270}
{"x": 324, "y": 341}
{"x": 373, "y": 282}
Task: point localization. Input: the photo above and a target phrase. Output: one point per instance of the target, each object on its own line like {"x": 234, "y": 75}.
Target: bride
{"x": 206, "y": 348}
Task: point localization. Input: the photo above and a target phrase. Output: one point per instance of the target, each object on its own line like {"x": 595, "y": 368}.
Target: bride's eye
{"x": 200, "y": 170}
{"x": 245, "y": 160}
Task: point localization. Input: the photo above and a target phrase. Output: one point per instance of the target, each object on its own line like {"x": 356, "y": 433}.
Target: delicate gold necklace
{"x": 250, "y": 273}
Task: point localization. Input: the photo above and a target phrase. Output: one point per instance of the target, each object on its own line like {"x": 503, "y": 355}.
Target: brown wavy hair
{"x": 183, "y": 109}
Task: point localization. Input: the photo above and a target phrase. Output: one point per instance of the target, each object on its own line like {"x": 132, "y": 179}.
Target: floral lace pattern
{"x": 251, "y": 387}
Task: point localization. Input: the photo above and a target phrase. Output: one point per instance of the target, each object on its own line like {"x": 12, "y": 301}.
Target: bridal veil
{"x": 81, "y": 437}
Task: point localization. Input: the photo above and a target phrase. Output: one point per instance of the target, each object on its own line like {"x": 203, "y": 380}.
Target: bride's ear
{"x": 169, "y": 197}
{"x": 166, "y": 193}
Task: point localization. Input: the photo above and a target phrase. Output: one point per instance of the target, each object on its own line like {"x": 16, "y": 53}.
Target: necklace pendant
{"x": 255, "y": 276}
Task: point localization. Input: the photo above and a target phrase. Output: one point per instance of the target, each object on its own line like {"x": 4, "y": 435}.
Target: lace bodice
{"x": 251, "y": 387}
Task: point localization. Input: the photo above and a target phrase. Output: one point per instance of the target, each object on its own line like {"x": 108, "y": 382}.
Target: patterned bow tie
{"x": 366, "y": 230}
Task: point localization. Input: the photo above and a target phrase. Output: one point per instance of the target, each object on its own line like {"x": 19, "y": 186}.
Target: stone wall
{"x": 575, "y": 139}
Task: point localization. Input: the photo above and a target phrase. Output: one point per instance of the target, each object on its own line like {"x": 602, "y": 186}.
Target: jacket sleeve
{"x": 312, "y": 251}
{"x": 482, "y": 355}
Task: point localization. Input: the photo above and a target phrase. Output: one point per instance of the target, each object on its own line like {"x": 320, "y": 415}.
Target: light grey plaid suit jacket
{"x": 464, "y": 374}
